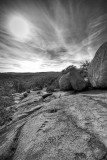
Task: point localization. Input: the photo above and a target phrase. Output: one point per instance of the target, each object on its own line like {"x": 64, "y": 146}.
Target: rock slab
{"x": 68, "y": 128}
{"x": 97, "y": 71}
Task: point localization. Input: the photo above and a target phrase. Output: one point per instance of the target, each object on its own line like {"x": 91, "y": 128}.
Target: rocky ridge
{"x": 61, "y": 126}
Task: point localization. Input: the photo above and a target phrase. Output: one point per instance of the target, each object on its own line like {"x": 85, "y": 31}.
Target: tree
{"x": 84, "y": 68}
{"x": 66, "y": 70}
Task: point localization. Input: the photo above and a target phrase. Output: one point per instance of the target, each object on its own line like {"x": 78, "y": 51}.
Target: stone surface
{"x": 71, "y": 127}
{"x": 73, "y": 80}
{"x": 77, "y": 81}
{"x": 97, "y": 71}
{"x": 64, "y": 82}
{"x": 9, "y": 140}
{"x": 66, "y": 127}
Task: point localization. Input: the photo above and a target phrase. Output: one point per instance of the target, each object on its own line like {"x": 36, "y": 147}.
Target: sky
{"x": 50, "y": 35}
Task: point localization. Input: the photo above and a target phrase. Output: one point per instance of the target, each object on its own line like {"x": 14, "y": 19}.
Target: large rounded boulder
{"x": 64, "y": 82}
{"x": 73, "y": 80}
{"x": 77, "y": 80}
{"x": 97, "y": 71}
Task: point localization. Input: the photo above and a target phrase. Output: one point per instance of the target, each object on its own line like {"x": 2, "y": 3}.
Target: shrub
{"x": 45, "y": 79}
{"x": 50, "y": 89}
{"x": 54, "y": 85}
{"x": 18, "y": 86}
{"x": 25, "y": 95}
{"x": 5, "y": 115}
{"x": 66, "y": 70}
{"x": 6, "y": 100}
{"x": 28, "y": 91}
{"x": 84, "y": 68}
{"x": 38, "y": 92}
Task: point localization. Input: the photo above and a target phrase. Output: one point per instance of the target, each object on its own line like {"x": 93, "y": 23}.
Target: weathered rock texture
{"x": 97, "y": 71}
{"x": 76, "y": 79}
{"x": 72, "y": 81}
{"x": 71, "y": 127}
{"x": 64, "y": 82}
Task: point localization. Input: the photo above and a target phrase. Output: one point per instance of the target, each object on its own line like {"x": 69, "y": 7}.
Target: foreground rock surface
{"x": 97, "y": 71}
{"x": 68, "y": 127}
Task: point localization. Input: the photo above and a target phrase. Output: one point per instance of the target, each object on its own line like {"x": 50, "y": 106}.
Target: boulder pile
{"x": 73, "y": 80}
{"x": 97, "y": 74}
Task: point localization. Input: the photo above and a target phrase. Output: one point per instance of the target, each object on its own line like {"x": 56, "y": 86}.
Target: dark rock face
{"x": 64, "y": 82}
{"x": 76, "y": 80}
{"x": 97, "y": 71}
{"x": 72, "y": 81}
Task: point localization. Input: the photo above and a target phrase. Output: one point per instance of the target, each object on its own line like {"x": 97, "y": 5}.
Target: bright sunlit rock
{"x": 19, "y": 27}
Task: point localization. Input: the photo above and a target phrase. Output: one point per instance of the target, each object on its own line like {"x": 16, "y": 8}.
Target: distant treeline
{"x": 23, "y": 81}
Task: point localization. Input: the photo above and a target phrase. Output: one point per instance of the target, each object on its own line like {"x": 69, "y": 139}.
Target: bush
{"x": 20, "y": 82}
{"x": 38, "y": 92}
{"x": 25, "y": 95}
{"x": 66, "y": 70}
{"x": 28, "y": 91}
{"x": 5, "y": 116}
{"x": 54, "y": 85}
{"x": 50, "y": 89}
{"x": 41, "y": 81}
{"x": 18, "y": 86}
{"x": 84, "y": 68}
{"x": 6, "y": 100}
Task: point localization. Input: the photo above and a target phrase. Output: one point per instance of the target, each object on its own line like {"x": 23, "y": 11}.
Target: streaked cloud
{"x": 63, "y": 32}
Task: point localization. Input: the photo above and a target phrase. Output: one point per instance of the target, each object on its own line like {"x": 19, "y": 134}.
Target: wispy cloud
{"x": 63, "y": 32}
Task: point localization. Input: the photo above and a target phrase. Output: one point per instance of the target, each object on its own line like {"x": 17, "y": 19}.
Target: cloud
{"x": 63, "y": 32}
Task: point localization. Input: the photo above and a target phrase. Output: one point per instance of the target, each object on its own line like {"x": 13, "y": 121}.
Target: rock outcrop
{"x": 73, "y": 80}
{"x": 66, "y": 127}
{"x": 77, "y": 81}
{"x": 97, "y": 71}
{"x": 64, "y": 82}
